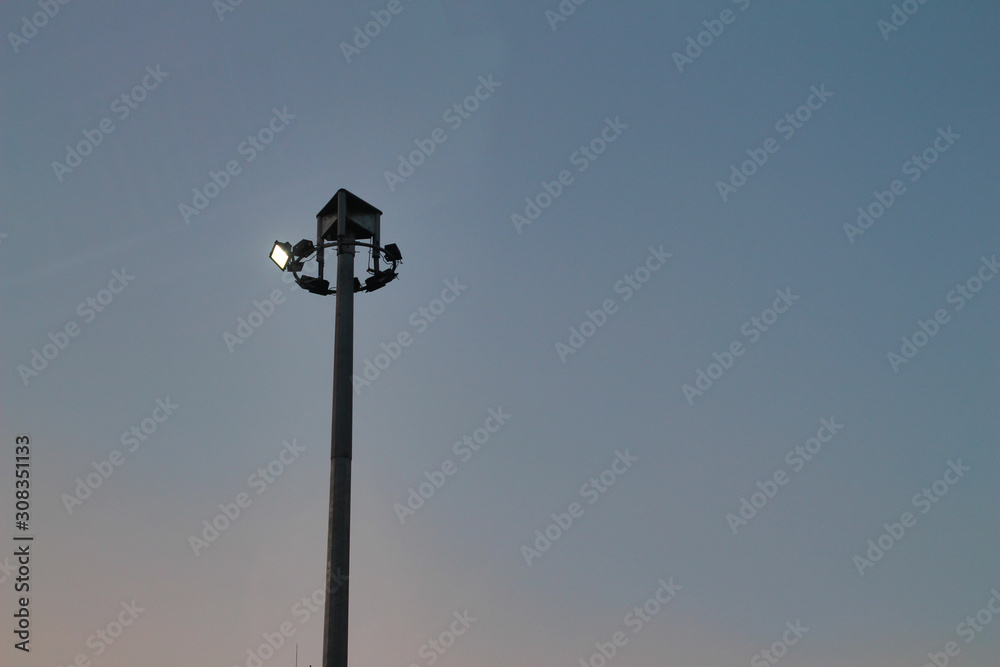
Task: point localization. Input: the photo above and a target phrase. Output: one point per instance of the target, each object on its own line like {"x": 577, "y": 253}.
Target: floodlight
{"x": 379, "y": 280}
{"x": 315, "y": 285}
{"x": 303, "y": 248}
{"x": 392, "y": 253}
{"x": 281, "y": 253}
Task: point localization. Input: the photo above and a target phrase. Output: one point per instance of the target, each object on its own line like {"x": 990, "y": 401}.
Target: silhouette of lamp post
{"x": 347, "y": 221}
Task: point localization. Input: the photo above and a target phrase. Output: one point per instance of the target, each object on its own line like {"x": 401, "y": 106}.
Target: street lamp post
{"x": 346, "y": 222}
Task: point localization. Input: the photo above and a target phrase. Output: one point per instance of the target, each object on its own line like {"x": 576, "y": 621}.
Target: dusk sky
{"x": 692, "y": 359}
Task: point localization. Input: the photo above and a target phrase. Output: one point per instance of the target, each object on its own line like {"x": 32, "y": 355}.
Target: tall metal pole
{"x": 339, "y": 536}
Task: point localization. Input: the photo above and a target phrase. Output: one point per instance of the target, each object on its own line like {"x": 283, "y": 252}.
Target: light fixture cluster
{"x": 344, "y": 221}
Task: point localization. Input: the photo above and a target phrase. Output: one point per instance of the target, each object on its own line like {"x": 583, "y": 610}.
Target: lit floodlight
{"x": 392, "y": 253}
{"x": 281, "y": 253}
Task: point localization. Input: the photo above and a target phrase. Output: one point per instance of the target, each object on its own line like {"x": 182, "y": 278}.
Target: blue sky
{"x": 203, "y": 85}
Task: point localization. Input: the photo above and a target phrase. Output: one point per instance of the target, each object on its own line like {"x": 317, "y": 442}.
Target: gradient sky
{"x": 62, "y": 235}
